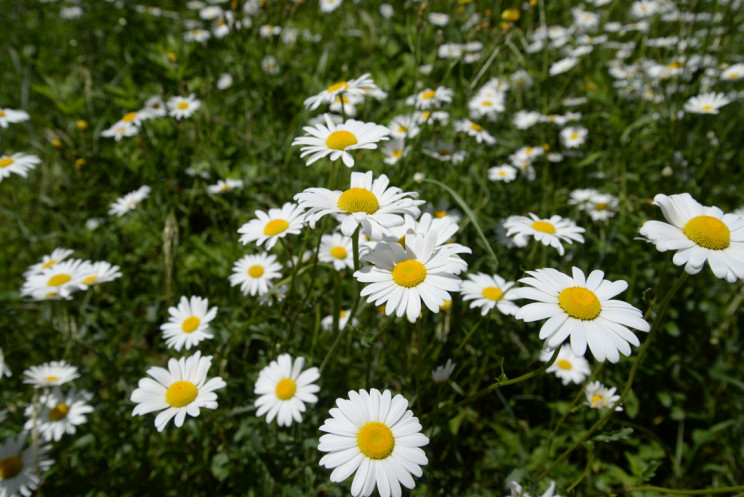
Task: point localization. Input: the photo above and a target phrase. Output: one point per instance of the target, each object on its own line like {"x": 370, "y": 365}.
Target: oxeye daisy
{"x": 60, "y": 413}
{"x": 355, "y": 87}
{"x": 99, "y": 272}
{"x": 581, "y": 308}
{"x": 59, "y": 281}
{"x": 428, "y": 98}
{"x": 129, "y": 201}
{"x": 706, "y": 103}
{"x": 254, "y": 273}
{"x": 50, "y": 374}
{"x": 733, "y": 73}
{"x": 284, "y": 389}
{"x": 573, "y": 136}
{"x": 569, "y": 367}
{"x": 270, "y": 227}
{"x": 599, "y": 396}
{"x": 181, "y": 389}
{"x": 155, "y": 106}
{"x": 547, "y": 231}
{"x": 489, "y": 291}
{"x": 18, "y": 163}
{"x": 699, "y": 234}
{"x": 47, "y": 261}
{"x": 120, "y": 130}
{"x": 374, "y": 435}
{"x": 338, "y": 140}
{"x": 475, "y": 130}
{"x": 225, "y": 186}
{"x": 183, "y": 107}
{"x": 20, "y": 468}
{"x": 8, "y": 116}
{"x": 188, "y": 323}
{"x": 343, "y": 319}
{"x": 405, "y": 126}
{"x": 401, "y": 276}
{"x": 338, "y": 250}
{"x": 367, "y": 202}
{"x": 504, "y": 172}
{"x": 563, "y": 65}
{"x": 394, "y": 151}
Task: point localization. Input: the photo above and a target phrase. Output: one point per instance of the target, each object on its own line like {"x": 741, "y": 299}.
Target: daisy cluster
{"x": 130, "y": 124}
{"x": 18, "y": 163}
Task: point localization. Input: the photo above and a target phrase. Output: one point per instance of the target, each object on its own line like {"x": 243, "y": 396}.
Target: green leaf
{"x": 614, "y": 436}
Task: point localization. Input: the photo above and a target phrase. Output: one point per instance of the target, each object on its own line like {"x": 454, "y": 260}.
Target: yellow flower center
{"x": 275, "y": 227}
{"x": 358, "y": 200}
{"x": 183, "y": 105}
{"x": 564, "y": 364}
{"x": 6, "y": 161}
{"x": 708, "y": 232}
{"x": 375, "y": 440}
{"x": 2, "y": 113}
{"x": 256, "y": 271}
{"x": 343, "y": 85}
{"x": 59, "y": 412}
{"x": 181, "y": 393}
{"x": 90, "y": 279}
{"x": 129, "y": 117}
{"x": 338, "y": 252}
{"x": 339, "y": 140}
{"x": 10, "y": 467}
{"x": 598, "y": 401}
{"x": 52, "y": 379}
{"x": 486, "y": 103}
{"x": 190, "y": 324}
{"x": 528, "y": 151}
{"x": 511, "y": 15}
{"x": 600, "y": 206}
{"x": 59, "y": 279}
{"x": 285, "y": 389}
{"x": 707, "y": 108}
{"x": 409, "y": 273}
{"x": 579, "y": 303}
{"x": 397, "y": 154}
{"x": 440, "y": 214}
{"x": 402, "y": 129}
{"x": 574, "y": 135}
{"x": 447, "y": 304}
{"x": 342, "y": 314}
{"x": 428, "y": 94}
{"x": 492, "y": 293}
{"x": 444, "y": 153}
{"x": 733, "y": 75}
{"x": 476, "y": 127}
{"x": 543, "y": 226}
{"x": 49, "y": 264}
{"x": 676, "y": 65}
{"x": 425, "y": 115}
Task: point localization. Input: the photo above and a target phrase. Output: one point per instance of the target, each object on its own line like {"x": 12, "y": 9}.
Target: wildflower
{"x": 547, "y": 231}
{"x": 504, "y": 172}
{"x": 569, "y": 367}
{"x": 18, "y": 163}
{"x": 563, "y": 65}
{"x": 581, "y": 308}
{"x": 188, "y": 323}
{"x": 599, "y": 396}
{"x": 525, "y": 119}
{"x": 181, "y": 389}
{"x": 254, "y": 273}
{"x": 129, "y": 201}
{"x": 19, "y": 466}
{"x": 706, "y": 103}
{"x": 428, "y": 98}
{"x": 573, "y": 136}
{"x": 225, "y": 81}
{"x": 699, "y": 234}
{"x": 373, "y": 435}
{"x": 284, "y": 390}
{"x": 338, "y": 250}
{"x": 394, "y": 151}
{"x": 225, "y": 186}
{"x": 8, "y": 116}
{"x": 155, "y": 106}
{"x": 183, "y": 107}
{"x": 489, "y": 291}
{"x": 269, "y": 65}
{"x": 60, "y": 413}
{"x": 47, "y": 261}
{"x": 734, "y": 72}
{"x": 119, "y": 130}
{"x": 4, "y": 369}
{"x": 438, "y": 18}
{"x": 50, "y": 374}
{"x": 352, "y": 87}
{"x": 405, "y": 126}
{"x": 270, "y": 227}
{"x": 327, "y": 6}
{"x": 60, "y": 280}
{"x": 442, "y": 373}
{"x": 475, "y": 130}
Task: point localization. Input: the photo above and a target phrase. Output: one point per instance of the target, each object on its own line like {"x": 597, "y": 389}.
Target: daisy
{"x": 601, "y": 206}
{"x": 50, "y": 374}
{"x": 198, "y": 35}
{"x": 733, "y": 73}
{"x": 18, "y": 466}
{"x": 134, "y": 118}
{"x": 442, "y": 373}
{"x": 270, "y": 227}
{"x": 284, "y": 390}
{"x": 8, "y": 116}
{"x": 155, "y": 106}
{"x": 489, "y": 105}
{"x": 60, "y": 413}
{"x": 475, "y": 130}
{"x": 569, "y": 367}
{"x": 327, "y": 6}
{"x": 706, "y": 103}
{"x": 374, "y": 435}
{"x": 343, "y": 319}
{"x": 401, "y": 276}
{"x": 179, "y": 390}
{"x": 504, "y": 172}
{"x": 428, "y": 98}
{"x": 599, "y": 396}
{"x": 225, "y": 81}
{"x": 353, "y": 87}
{"x": 58, "y": 281}
{"x": 120, "y": 130}
{"x": 573, "y": 136}
{"x": 547, "y": 231}
{"x": 99, "y": 272}
{"x": 254, "y": 273}
{"x": 563, "y": 65}
{"x": 405, "y": 126}
{"x": 47, "y": 261}
{"x": 489, "y": 291}
{"x": 129, "y": 201}
{"x": 581, "y": 308}
{"x": 699, "y": 233}
{"x": 394, "y": 151}
{"x": 367, "y": 202}
{"x": 338, "y": 250}
{"x": 188, "y": 323}
{"x": 525, "y": 119}
{"x": 444, "y": 152}
{"x": 225, "y": 186}
{"x": 4, "y": 369}
{"x": 18, "y": 163}
{"x": 337, "y": 141}
{"x": 183, "y": 107}
{"x": 438, "y": 18}
{"x": 346, "y": 104}
{"x": 269, "y": 65}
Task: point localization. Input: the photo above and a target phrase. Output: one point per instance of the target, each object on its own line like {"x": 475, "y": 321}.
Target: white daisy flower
{"x": 327, "y": 6}
{"x": 181, "y": 389}
{"x": 60, "y": 413}
{"x": 50, "y": 374}
{"x": 734, "y": 72}
{"x": 394, "y": 151}
{"x": 547, "y": 231}
{"x": 405, "y": 126}
{"x": 99, "y": 272}
{"x": 573, "y": 136}
{"x": 155, "y": 106}
{"x": 375, "y": 436}
{"x": 346, "y": 104}
{"x": 183, "y": 107}
{"x": 489, "y": 291}
{"x": 569, "y": 367}
{"x": 601, "y": 206}
{"x": 353, "y": 87}
{"x": 269, "y": 65}
{"x": 337, "y": 141}
{"x": 367, "y": 202}
{"x": 18, "y": 466}
{"x": 254, "y": 273}
{"x": 120, "y": 130}
{"x": 270, "y": 227}
{"x": 475, "y": 130}
{"x": 8, "y": 116}
{"x": 284, "y": 389}
{"x": 438, "y": 18}
{"x": 18, "y": 163}
{"x": 699, "y": 234}
{"x": 338, "y": 250}
{"x": 428, "y": 98}
{"x": 58, "y": 281}
{"x": 489, "y": 104}
{"x": 442, "y": 373}
{"x": 198, "y": 35}
{"x": 563, "y": 65}
{"x": 135, "y": 118}
{"x": 706, "y": 103}
{"x": 225, "y": 186}
{"x": 188, "y": 323}
{"x": 525, "y": 119}
{"x": 444, "y": 152}
{"x": 47, "y": 261}
{"x": 129, "y": 201}
{"x": 581, "y": 308}
{"x": 599, "y": 396}
{"x": 343, "y": 319}
{"x": 401, "y": 276}
{"x": 504, "y": 172}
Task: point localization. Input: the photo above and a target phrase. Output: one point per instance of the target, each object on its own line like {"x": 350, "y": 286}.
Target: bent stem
{"x": 633, "y": 370}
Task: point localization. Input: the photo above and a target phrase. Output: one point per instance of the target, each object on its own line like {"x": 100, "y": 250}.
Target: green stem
{"x": 675, "y": 491}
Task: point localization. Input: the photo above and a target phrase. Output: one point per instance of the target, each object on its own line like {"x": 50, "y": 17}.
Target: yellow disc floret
{"x": 59, "y": 279}
{"x": 409, "y": 273}
{"x": 181, "y": 393}
{"x": 275, "y": 227}
{"x": 543, "y": 226}
{"x": 708, "y": 232}
{"x": 190, "y": 324}
{"x": 10, "y": 467}
{"x": 255, "y": 271}
{"x": 564, "y": 364}
{"x": 59, "y": 412}
{"x": 343, "y": 85}
{"x": 579, "y": 303}
{"x": 375, "y": 440}
{"x": 428, "y": 94}
{"x": 358, "y": 200}
{"x": 339, "y": 140}
{"x": 183, "y": 105}
{"x": 492, "y": 293}
{"x": 338, "y": 252}
{"x": 285, "y": 389}
{"x": 6, "y": 161}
